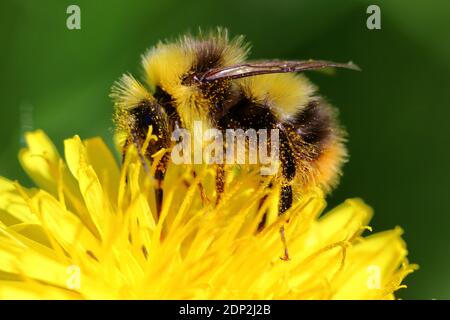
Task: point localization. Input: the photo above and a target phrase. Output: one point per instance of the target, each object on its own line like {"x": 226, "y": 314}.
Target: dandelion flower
{"x": 89, "y": 230}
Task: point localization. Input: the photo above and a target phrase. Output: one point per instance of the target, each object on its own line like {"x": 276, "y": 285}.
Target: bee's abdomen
{"x": 318, "y": 128}
{"x": 315, "y": 123}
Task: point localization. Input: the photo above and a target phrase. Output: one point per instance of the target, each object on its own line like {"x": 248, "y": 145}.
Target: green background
{"x": 396, "y": 111}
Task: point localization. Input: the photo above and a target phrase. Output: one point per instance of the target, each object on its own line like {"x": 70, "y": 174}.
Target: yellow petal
{"x": 105, "y": 166}
{"x": 65, "y": 227}
{"x": 104, "y": 223}
{"x": 40, "y": 160}
{"x": 13, "y": 208}
{"x": 345, "y": 222}
{"x": 95, "y": 199}
{"x": 33, "y": 291}
{"x": 371, "y": 266}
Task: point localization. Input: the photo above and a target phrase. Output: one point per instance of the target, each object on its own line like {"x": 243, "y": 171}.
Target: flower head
{"x": 90, "y": 230}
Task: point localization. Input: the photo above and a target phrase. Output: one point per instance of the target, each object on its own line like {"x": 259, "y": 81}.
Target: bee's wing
{"x": 270, "y": 66}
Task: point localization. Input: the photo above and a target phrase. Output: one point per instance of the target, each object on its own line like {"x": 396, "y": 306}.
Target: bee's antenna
{"x": 285, "y": 247}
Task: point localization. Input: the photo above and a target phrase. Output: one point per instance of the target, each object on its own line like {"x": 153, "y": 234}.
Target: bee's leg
{"x": 285, "y": 198}
{"x": 288, "y": 171}
{"x": 284, "y": 204}
{"x": 262, "y": 222}
{"x": 201, "y": 189}
{"x": 159, "y": 177}
{"x": 220, "y": 181}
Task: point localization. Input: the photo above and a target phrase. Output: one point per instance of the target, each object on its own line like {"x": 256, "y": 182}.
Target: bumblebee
{"x": 207, "y": 78}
